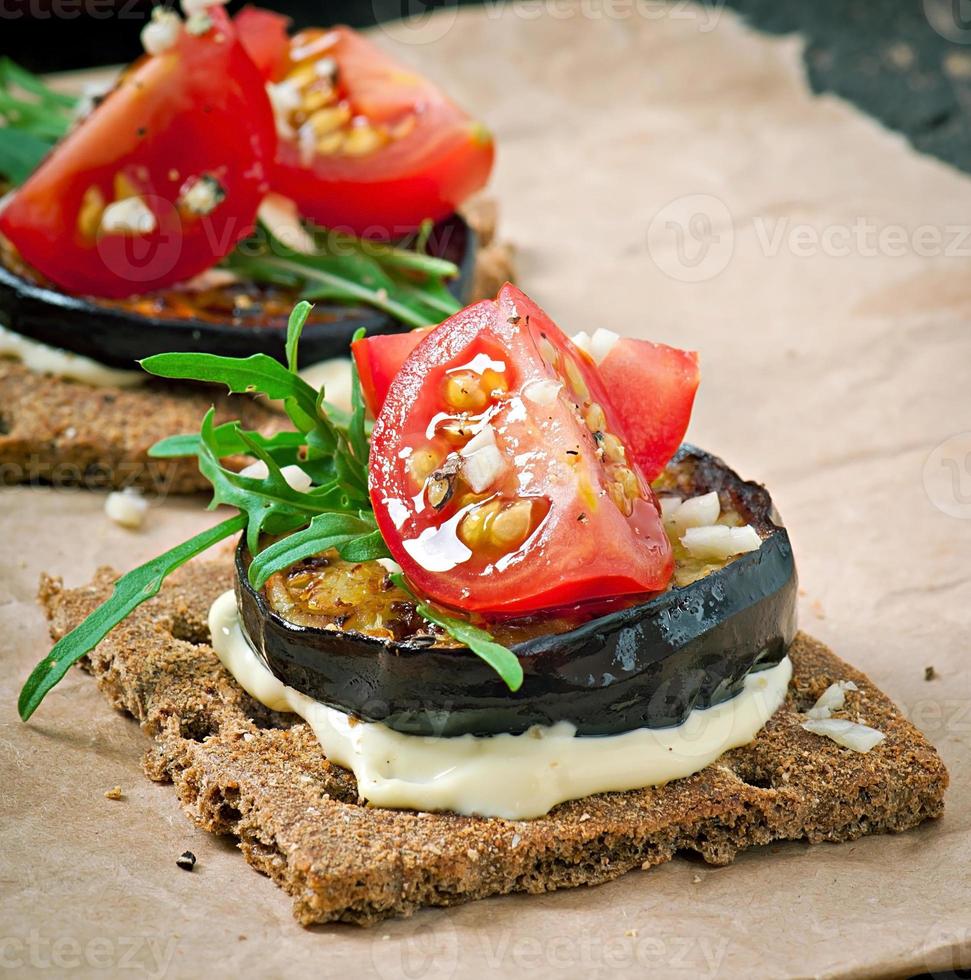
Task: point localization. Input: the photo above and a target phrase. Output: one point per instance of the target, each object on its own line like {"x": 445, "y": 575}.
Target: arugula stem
{"x": 130, "y": 592}
{"x": 370, "y": 297}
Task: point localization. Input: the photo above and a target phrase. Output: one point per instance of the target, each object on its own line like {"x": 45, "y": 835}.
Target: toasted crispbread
{"x": 70, "y": 434}
{"x": 240, "y": 769}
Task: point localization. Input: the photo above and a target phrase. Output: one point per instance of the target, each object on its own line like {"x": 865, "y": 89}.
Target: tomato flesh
{"x": 265, "y": 36}
{"x": 653, "y": 387}
{"x": 160, "y": 181}
{"x": 499, "y": 475}
{"x": 365, "y": 143}
{"x": 379, "y": 358}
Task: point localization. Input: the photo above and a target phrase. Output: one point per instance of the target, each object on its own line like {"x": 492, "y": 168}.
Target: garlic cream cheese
{"x": 334, "y": 374}
{"x": 517, "y": 777}
{"x": 64, "y": 364}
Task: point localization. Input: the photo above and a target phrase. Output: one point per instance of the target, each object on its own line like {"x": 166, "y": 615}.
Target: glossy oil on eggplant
{"x": 647, "y": 665}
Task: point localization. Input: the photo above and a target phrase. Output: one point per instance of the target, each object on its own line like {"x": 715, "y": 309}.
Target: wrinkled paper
{"x": 666, "y": 173}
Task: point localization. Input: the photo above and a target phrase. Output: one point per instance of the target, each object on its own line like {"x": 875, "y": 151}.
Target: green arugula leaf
{"x": 227, "y": 441}
{"x": 130, "y": 591}
{"x": 298, "y": 320}
{"x": 270, "y": 503}
{"x": 349, "y": 270}
{"x": 12, "y": 75}
{"x": 326, "y": 531}
{"x": 356, "y": 433}
{"x": 258, "y": 373}
{"x": 20, "y": 153}
{"x": 501, "y": 659}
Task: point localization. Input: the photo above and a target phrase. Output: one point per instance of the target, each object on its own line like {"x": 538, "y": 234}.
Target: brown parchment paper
{"x": 666, "y": 173}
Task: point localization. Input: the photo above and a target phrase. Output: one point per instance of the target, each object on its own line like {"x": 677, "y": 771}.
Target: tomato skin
{"x": 653, "y": 388}
{"x": 584, "y": 548}
{"x": 199, "y": 108}
{"x": 426, "y": 174}
{"x": 379, "y": 358}
{"x": 265, "y": 36}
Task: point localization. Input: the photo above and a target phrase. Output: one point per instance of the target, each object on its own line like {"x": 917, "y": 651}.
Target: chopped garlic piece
{"x": 602, "y": 343}
{"x": 203, "y": 195}
{"x": 860, "y": 738}
{"x": 668, "y": 506}
{"x": 190, "y": 7}
{"x": 832, "y": 699}
{"x": 483, "y": 468}
{"x": 482, "y": 463}
{"x": 281, "y": 217}
{"x": 720, "y": 541}
{"x": 542, "y": 391}
{"x": 294, "y": 476}
{"x": 697, "y": 511}
{"x": 126, "y": 508}
{"x": 584, "y": 341}
{"x": 486, "y": 436}
{"x": 130, "y": 216}
{"x": 162, "y": 31}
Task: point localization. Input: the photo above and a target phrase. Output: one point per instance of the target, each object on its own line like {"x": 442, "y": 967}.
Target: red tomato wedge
{"x": 366, "y": 144}
{"x": 265, "y": 36}
{"x": 160, "y": 181}
{"x": 379, "y": 358}
{"x": 499, "y": 474}
{"x": 652, "y": 387}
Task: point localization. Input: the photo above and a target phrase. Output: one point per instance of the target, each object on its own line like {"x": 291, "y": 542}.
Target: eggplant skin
{"x": 646, "y": 666}
{"x": 118, "y": 334}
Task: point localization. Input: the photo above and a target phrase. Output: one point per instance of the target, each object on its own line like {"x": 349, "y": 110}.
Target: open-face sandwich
{"x": 534, "y": 639}
{"x": 230, "y": 172}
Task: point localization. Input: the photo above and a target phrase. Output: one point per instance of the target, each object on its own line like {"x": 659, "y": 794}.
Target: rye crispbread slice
{"x": 63, "y": 433}
{"x": 69, "y": 434}
{"x": 240, "y": 769}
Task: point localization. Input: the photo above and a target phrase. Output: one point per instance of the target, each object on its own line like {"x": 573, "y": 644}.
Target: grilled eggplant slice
{"x": 646, "y": 665}
{"x": 234, "y": 320}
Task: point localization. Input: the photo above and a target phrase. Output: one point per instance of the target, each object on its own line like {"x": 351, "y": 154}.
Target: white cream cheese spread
{"x": 334, "y": 374}
{"x": 517, "y": 777}
{"x": 64, "y": 364}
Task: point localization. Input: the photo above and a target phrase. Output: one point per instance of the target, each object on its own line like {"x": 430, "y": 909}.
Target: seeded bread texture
{"x": 240, "y": 769}
{"x": 69, "y": 434}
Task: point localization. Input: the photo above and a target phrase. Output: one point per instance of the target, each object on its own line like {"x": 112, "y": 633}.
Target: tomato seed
{"x": 463, "y": 391}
